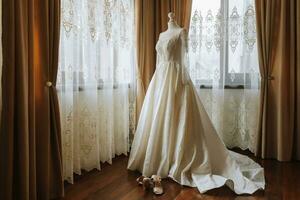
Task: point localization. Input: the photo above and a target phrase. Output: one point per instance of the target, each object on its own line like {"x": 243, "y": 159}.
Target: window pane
{"x": 206, "y": 41}
{"x": 223, "y": 47}
{"x": 242, "y": 49}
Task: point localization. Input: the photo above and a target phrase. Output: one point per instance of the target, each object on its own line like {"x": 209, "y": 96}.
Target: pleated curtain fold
{"x": 151, "y": 19}
{"x": 278, "y": 32}
{"x": 31, "y": 166}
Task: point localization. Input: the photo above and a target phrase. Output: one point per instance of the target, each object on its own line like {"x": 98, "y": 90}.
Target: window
{"x": 97, "y": 44}
{"x": 223, "y": 48}
{"x": 224, "y": 67}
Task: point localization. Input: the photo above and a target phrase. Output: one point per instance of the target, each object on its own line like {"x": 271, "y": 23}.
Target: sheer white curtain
{"x": 224, "y": 66}
{"x": 95, "y": 81}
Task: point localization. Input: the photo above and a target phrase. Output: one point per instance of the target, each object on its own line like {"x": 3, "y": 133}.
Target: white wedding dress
{"x": 175, "y": 137}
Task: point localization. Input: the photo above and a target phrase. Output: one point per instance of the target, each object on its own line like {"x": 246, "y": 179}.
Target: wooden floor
{"x": 115, "y": 182}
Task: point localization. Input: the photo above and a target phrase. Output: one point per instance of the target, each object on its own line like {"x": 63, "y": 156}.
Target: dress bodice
{"x": 170, "y": 48}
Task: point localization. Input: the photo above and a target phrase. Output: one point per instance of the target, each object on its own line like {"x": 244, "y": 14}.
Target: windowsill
{"x": 225, "y": 87}
{"x": 99, "y": 87}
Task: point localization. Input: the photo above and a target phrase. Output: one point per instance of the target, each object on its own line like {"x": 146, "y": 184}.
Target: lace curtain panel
{"x": 224, "y": 67}
{"x": 96, "y": 82}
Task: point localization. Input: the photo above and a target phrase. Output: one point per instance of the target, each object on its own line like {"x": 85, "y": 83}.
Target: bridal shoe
{"x": 139, "y": 180}
{"x": 157, "y": 188}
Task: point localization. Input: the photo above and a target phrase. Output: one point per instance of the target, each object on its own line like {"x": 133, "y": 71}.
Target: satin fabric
{"x": 175, "y": 137}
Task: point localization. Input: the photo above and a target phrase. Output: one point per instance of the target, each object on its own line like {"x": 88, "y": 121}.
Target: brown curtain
{"x": 278, "y": 44}
{"x": 151, "y": 20}
{"x": 182, "y": 10}
{"x": 30, "y": 130}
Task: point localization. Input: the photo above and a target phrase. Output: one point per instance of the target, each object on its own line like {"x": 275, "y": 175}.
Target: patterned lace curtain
{"x": 96, "y": 81}
{"x": 224, "y": 67}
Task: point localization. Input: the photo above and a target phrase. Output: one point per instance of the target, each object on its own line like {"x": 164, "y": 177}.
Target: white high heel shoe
{"x": 157, "y": 186}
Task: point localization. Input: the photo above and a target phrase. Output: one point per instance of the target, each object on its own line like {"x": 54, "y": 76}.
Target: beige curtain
{"x": 278, "y": 44}
{"x": 47, "y": 117}
{"x": 295, "y": 57}
{"x": 182, "y": 10}
{"x": 0, "y": 57}
{"x": 30, "y": 131}
{"x": 151, "y": 20}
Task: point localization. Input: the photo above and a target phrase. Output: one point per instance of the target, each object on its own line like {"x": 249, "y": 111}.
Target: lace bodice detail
{"x": 172, "y": 48}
